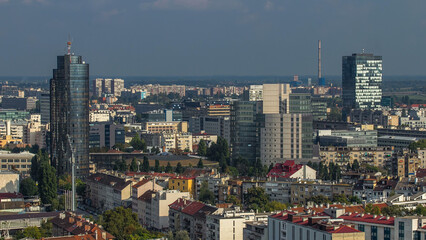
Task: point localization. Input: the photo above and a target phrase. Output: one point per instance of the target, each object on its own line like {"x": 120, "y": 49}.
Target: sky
{"x": 210, "y": 37}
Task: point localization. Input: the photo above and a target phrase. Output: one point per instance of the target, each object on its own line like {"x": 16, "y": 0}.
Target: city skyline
{"x": 243, "y": 38}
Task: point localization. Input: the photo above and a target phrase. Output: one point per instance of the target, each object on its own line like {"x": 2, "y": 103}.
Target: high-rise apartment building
{"x": 69, "y": 114}
{"x": 287, "y": 130}
{"x": 107, "y": 86}
{"x": 362, "y": 81}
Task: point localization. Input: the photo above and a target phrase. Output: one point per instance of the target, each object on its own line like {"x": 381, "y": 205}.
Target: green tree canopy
{"x": 200, "y": 163}
{"x": 157, "y": 165}
{"x": 47, "y": 185}
{"x": 169, "y": 168}
{"x": 206, "y": 195}
{"x": 137, "y": 143}
{"x": 179, "y": 168}
{"x": 28, "y": 187}
{"x": 202, "y": 148}
{"x": 145, "y": 164}
{"x": 123, "y": 224}
{"x": 134, "y": 165}
{"x": 256, "y": 198}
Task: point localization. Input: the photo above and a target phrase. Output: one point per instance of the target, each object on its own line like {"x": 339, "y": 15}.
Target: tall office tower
{"x": 117, "y": 86}
{"x": 361, "y": 81}
{"x": 246, "y": 120}
{"x": 275, "y": 98}
{"x": 97, "y": 87}
{"x": 287, "y": 130}
{"x": 69, "y": 114}
{"x": 45, "y": 108}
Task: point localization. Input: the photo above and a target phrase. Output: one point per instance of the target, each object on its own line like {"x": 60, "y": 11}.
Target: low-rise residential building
{"x": 159, "y": 127}
{"x": 153, "y": 208}
{"x": 227, "y": 225}
{"x": 256, "y": 230}
{"x": 289, "y": 226}
{"x": 68, "y": 223}
{"x": 279, "y": 191}
{"x": 376, "y": 156}
{"x": 372, "y": 189}
{"x": 190, "y": 216}
{"x": 289, "y": 169}
{"x": 301, "y": 192}
{"x": 20, "y": 162}
{"x": 213, "y": 183}
{"x": 107, "y": 192}
{"x": 183, "y": 184}
{"x": 141, "y": 188}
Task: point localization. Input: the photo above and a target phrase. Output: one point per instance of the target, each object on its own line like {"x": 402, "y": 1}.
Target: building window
{"x": 401, "y": 231}
{"x": 416, "y": 235}
{"x": 387, "y": 233}
{"x": 361, "y": 227}
{"x": 373, "y": 232}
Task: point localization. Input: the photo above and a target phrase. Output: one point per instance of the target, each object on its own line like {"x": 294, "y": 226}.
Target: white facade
{"x": 100, "y": 116}
{"x": 228, "y": 225}
{"x": 256, "y": 93}
{"x": 154, "y": 212}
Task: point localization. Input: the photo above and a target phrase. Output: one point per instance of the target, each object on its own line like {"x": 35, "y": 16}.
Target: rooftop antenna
{"x": 69, "y": 45}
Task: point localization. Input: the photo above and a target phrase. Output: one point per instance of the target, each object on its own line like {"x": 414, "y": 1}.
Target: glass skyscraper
{"x": 69, "y": 115}
{"x": 362, "y": 81}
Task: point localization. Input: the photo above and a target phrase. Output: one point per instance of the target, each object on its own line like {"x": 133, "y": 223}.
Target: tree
{"x": 179, "y": 168}
{"x": 157, "y": 165}
{"x": 134, "y": 165}
{"x": 28, "y": 187}
{"x": 137, "y": 143}
{"x": 256, "y": 198}
{"x": 29, "y": 232}
{"x": 16, "y": 150}
{"x": 155, "y": 150}
{"x": 421, "y": 144}
{"x": 399, "y": 211}
{"x": 219, "y": 152}
{"x": 181, "y": 235}
{"x": 319, "y": 199}
{"x": 35, "y": 165}
{"x": 275, "y": 206}
{"x": 145, "y": 164}
{"x": 47, "y": 183}
{"x": 206, "y": 195}
{"x": 233, "y": 199}
{"x": 355, "y": 165}
{"x": 123, "y": 224}
{"x": 80, "y": 187}
{"x": 169, "y": 168}
{"x": 371, "y": 209}
{"x": 200, "y": 163}
{"x": 335, "y": 114}
{"x": 202, "y": 148}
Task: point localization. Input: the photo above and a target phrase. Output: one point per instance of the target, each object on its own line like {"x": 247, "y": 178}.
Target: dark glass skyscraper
{"x": 69, "y": 115}
{"x": 362, "y": 81}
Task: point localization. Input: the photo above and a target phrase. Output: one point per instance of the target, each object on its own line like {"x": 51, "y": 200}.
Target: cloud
{"x": 269, "y": 5}
{"x": 196, "y": 5}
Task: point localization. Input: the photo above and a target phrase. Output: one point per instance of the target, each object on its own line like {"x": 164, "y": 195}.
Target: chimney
{"x": 96, "y": 235}
{"x": 71, "y": 220}
{"x": 104, "y": 235}
{"x": 8, "y": 132}
{"x": 319, "y": 59}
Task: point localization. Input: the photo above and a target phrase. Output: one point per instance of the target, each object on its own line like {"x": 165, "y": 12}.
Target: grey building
{"x": 69, "y": 115}
{"x": 218, "y": 125}
{"x": 19, "y": 103}
{"x": 106, "y": 135}
{"x": 246, "y": 119}
{"x": 362, "y": 81}
{"x": 347, "y": 138}
{"x": 45, "y": 108}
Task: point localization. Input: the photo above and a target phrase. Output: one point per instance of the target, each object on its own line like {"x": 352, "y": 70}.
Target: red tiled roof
{"x": 154, "y": 174}
{"x": 10, "y": 195}
{"x": 367, "y": 218}
{"x": 114, "y": 151}
{"x": 345, "y": 229}
{"x": 421, "y": 173}
{"x": 284, "y": 170}
{"x": 193, "y": 208}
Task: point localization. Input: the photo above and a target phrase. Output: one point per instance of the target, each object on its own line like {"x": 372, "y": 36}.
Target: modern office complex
{"x": 69, "y": 114}
{"x": 361, "y": 81}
